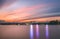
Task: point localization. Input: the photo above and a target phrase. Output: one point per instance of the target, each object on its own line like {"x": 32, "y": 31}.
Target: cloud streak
{"x": 29, "y": 9}
{"x": 6, "y": 3}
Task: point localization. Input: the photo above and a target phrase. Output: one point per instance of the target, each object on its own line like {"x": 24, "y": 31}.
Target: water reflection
{"x": 37, "y": 31}
{"x": 31, "y": 32}
{"x": 47, "y": 33}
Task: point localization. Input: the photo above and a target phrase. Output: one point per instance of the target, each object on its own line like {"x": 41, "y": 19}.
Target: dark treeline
{"x": 53, "y": 22}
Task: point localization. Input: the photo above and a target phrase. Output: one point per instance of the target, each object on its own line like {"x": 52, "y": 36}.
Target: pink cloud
{"x": 22, "y": 13}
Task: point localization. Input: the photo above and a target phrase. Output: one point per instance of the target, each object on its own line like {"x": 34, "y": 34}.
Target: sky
{"x": 14, "y": 10}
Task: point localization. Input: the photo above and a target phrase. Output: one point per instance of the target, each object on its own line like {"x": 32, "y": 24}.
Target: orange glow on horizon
{"x": 19, "y": 14}
{"x": 37, "y": 20}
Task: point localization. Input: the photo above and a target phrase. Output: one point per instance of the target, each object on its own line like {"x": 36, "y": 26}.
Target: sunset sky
{"x": 38, "y": 10}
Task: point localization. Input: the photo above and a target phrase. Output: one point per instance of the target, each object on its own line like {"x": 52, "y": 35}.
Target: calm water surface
{"x": 29, "y": 31}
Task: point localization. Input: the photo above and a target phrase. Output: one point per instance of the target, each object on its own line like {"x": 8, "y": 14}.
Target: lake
{"x": 29, "y": 31}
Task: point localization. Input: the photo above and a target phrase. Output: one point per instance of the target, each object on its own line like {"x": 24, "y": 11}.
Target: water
{"x": 29, "y": 31}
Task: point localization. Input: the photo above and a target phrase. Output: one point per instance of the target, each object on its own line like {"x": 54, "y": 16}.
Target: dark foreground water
{"x": 29, "y": 31}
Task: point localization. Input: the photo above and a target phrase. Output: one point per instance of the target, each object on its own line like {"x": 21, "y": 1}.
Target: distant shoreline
{"x": 26, "y": 24}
